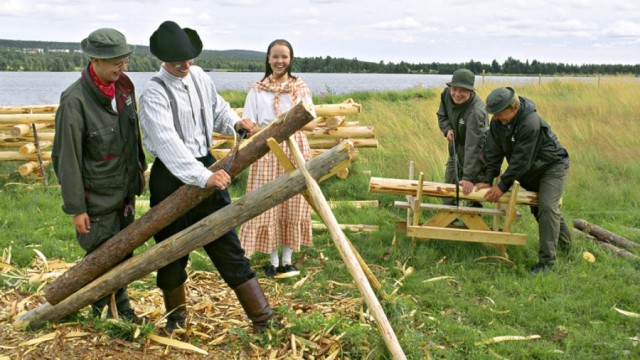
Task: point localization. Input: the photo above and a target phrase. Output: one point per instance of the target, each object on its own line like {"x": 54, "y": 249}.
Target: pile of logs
{"x": 332, "y": 127}
{"x": 26, "y": 136}
{"x": 608, "y": 240}
{"x": 18, "y": 140}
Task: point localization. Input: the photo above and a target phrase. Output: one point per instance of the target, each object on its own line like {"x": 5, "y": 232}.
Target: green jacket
{"x": 529, "y": 146}
{"x": 470, "y": 123}
{"x": 97, "y": 152}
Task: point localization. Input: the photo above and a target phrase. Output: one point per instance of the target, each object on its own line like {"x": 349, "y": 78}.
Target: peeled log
{"x": 30, "y": 148}
{"x": 27, "y": 118}
{"x": 17, "y": 156}
{"x": 29, "y": 109}
{"x": 30, "y": 167}
{"x": 361, "y": 132}
{"x": 115, "y": 249}
{"x": 328, "y": 143}
{"x": 194, "y": 237}
{"x": 410, "y": 187}
{"x": 605, "y": 235}
{"x": 24, "y": 129}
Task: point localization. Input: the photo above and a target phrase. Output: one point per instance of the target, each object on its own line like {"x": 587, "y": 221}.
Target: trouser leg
{"x": 548, "y": 215}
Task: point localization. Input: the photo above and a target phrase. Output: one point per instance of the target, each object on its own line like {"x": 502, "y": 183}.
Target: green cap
{"x": 499, "y": 99}
{"x": 106, "y": 43}
{"x": 463, "y": 78}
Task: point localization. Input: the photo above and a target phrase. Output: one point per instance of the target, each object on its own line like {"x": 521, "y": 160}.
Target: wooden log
{"x": 342, "y": 109}
{"x": 16, "y": 156}
{"x": 27, "y": 118}
{"x": 24, "y": 129}
{"x": 30, "y": 168}
{"x": 48, "y": 136}
{"x": 435, "y": 189}
{"x": 348, "y": 256}
{"x": 333, "y": 122}
{"x": 352, "y": 132}
{"x": 329, "y": 143}
{"x": 338, "y": 109}
{"x": 115, "y": 249}
{"x": 351, "y": 227}
{"x": 180, "y": 244}
{"x": 30, "y": 148}
{"x": 29, "y": 109}
{"x": 605, "y": 235}
{"x": 616, "y": 250}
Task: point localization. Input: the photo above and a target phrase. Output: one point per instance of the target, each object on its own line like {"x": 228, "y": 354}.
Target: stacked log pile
{"x": 332, "y": 127}
{"x": 26, "y": 136}
{"x": 17, "y": 141}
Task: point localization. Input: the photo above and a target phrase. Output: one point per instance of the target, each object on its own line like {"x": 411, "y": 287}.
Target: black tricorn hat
{"x": 172, "y": 43}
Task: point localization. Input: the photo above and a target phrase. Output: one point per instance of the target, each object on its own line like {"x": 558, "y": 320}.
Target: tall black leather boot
{"x": 175, "y": 305}
{"x": 256, "y": 306}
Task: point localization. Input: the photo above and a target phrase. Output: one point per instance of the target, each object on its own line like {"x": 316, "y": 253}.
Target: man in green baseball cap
{"x": 97, "y": 151}
{"x": 464, "y": 123}
{"x": 535, "y": 158}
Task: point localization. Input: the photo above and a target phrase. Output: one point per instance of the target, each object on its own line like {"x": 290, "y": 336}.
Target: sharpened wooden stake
{"x": 348, "y": 256}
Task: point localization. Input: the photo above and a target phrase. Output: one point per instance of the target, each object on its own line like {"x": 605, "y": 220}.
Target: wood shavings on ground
{"x": 217, "y": 325}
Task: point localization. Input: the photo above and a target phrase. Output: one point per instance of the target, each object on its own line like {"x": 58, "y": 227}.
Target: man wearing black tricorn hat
{"x": 97, "y": 150}
{"x": 535, "y": 158}
{"x": 179, "y": 110}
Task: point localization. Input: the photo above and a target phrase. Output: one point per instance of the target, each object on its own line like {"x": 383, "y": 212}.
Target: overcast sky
{"x": 568, "y": 31}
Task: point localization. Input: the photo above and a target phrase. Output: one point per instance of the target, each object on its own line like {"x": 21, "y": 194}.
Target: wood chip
{"x": 627, "y": 313}
{"x": 41, "y": 339}
{"x": 176, "y": 343}
{"x": 499, "y": 339}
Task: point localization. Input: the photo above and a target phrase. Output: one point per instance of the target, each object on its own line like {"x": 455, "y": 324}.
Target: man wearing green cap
{"x": 464, "y": 123}
{"x": 97, "y": 151}
{"x": 535, "y": 158}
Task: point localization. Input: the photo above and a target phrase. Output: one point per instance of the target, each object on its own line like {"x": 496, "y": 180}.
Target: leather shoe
{"x": 540, "y": 268}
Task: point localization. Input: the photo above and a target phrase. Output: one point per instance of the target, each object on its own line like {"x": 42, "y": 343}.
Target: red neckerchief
{"x": 108, "y": 90}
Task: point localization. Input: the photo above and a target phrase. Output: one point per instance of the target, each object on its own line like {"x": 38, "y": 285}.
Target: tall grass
{"x": 571, "y": 308}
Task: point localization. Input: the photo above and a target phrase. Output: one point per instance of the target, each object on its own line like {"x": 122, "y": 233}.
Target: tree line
{"x": 19, "y": 59}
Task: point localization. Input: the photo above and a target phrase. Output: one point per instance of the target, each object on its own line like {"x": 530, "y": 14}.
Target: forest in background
{"x": 18, "y": 55}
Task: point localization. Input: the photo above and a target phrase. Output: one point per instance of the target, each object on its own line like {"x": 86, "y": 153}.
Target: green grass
{"x": 571, "y": 308}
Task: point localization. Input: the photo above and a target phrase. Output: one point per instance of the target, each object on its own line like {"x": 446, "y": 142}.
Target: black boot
{"x": 256, "y": 306}
{"x": 175, "y": 305}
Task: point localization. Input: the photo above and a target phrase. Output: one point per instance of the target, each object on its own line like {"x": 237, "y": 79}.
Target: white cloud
{"x": 401, "y": 24}
{"x": 623, "y": 29}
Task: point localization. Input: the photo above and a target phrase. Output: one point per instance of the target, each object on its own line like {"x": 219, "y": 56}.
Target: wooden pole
{"x": 410, "y": 187}
{"x": 115, "y": 249}
{"x": 360, "y": 132}
{"x": 605, "y": 235}
{"x": 205, "y": 231}
{"x": 341, "y": 242}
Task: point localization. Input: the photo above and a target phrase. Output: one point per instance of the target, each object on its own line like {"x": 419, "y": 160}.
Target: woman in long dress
{"x": 287, "y": 224}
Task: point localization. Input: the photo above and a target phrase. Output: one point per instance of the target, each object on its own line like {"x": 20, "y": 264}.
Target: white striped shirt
{"x": 160, "y": 136}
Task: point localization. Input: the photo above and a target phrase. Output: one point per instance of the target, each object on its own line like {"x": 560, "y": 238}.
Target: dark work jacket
{"x": 470, "y": 124}
{"x": 97, "y": 152}
{"x": 529, "y": 146}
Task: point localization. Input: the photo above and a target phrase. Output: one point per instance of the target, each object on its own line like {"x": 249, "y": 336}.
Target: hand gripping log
{"x": 115, "y": 249}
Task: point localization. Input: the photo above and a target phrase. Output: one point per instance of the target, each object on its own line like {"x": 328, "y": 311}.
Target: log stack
{"x": 19, "y": 143}
{"x": 17, "y": 139}
{"x": 332, "y": 127}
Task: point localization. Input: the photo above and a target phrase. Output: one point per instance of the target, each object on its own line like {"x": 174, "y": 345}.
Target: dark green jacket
{"x": 97, "y": 152}
{"x": 470, "y": 123}
{"x": 529, "y": 146}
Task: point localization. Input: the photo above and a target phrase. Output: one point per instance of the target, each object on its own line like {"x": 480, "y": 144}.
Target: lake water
{"x": 35, "y": 88}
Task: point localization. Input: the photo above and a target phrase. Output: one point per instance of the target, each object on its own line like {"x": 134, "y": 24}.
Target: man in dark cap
{"x": 179, "y": 110}
{"x": 464, "y": 123}
{"x": 97, "y": 151}
{"x": 535, "y": 158}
